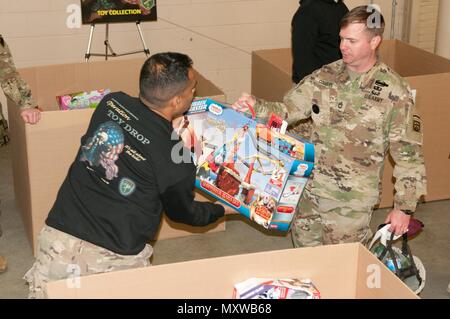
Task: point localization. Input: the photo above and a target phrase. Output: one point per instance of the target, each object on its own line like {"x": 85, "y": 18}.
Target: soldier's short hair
{"x": 368, "y": 15}
{"x": 164, "y": 76}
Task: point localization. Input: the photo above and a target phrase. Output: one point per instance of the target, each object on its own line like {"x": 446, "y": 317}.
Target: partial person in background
{"x": 16, "y": 89}
{"x": 315, "y": 35}
{"x": 315, "y": 43}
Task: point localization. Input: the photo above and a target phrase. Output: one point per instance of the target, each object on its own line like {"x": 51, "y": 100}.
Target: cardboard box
{"x": 339, "y": 271}
{"x": 428, "y": 73}
{"x": 42, "y": 153}
{"x": 250, "y": 167}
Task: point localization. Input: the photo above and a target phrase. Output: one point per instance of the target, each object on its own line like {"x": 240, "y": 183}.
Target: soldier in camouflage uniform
{"x": 18, "y": 91}
{"x": 360, "y": 109}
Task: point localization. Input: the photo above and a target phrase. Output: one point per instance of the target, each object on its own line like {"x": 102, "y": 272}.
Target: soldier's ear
{"x": 174, "y": 102}
{"x": 375, "y": 42}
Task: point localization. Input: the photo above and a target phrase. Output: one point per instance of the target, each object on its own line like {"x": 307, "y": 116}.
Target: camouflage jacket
{"x": 13, "y": 86}
{"x": 355, "y": 123}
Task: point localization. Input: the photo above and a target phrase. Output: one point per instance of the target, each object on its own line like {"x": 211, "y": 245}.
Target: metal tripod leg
{"x": 394, "y": 12}
{"x": 88, "y": 51}
{"x": 109, "y": 52}
{"x": 107, "y": 45}
{"x": 146, "y": 50}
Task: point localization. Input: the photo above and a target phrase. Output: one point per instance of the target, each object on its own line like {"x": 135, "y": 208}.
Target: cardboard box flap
{"x": 412, "y": 61}
{"x": 387, "y": 53}
{"x": 20, "y": 167}
{"x": 59, "y": 80}
{"x": 271, "y": 81}
{"x": 279, "y": 55}
{"x": 208, "y": 89}
{"x": 119, "y": 75}
{"x": 47, "y": 82}
{"x": 433, "y": 101}
{"x": 376, "y": 281}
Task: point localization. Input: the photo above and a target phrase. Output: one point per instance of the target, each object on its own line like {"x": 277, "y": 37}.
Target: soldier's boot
{"x": 3, "y": 264}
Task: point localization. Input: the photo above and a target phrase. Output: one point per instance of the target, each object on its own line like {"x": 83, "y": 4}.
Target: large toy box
{"x": 253, "y": 168}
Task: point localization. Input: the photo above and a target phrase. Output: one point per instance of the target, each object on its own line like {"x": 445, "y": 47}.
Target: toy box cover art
{"x": 257, "y": 171}
{"x": 81, "y": 100}
{"x": 112, "y": 11}
{"x": 271, "y": 288}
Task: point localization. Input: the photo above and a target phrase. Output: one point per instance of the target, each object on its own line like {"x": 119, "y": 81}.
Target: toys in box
{"x": 81, "y": 100}
{"x": 263, "y": 288}
{"x": 256, "y": 170}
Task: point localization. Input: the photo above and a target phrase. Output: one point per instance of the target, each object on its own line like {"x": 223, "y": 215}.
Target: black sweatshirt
{"x": 315, "y": 35}
{"x": 124, "y": 177}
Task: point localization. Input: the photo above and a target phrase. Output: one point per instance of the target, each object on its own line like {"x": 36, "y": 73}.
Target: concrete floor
{"x": 432, "y": 246}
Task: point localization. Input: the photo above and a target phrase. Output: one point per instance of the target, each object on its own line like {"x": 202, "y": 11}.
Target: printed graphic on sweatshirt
{"x": 104, "y": 147}
{"x": 126, "y": 186}
{"x": 120, "y": 115}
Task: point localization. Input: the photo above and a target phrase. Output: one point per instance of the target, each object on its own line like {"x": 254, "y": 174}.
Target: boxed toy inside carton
{"x": 81, "y": 100}
{"x": 337, "y": 271}
{"x": 270, "y": 288}
{"x": 253, "y": 168}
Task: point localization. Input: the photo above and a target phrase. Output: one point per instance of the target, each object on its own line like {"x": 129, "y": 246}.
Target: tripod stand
{"x": 108, "y": 47}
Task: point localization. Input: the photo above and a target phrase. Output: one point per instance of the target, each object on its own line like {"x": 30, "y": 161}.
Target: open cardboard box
{"x": 428, "y": 73}
{"x": 42, "y": 153}
{"x": 340, "y": 271}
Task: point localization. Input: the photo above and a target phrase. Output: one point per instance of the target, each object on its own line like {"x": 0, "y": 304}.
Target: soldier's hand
{"x": 228, "y": 209}
{"x": 399, "y": 222}
{"x": 31, "y": 116}
{"x": 245, "y": 103}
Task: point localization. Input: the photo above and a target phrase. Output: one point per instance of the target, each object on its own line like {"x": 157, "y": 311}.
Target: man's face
{"x": 356, "y": 44}
{"x": 187, "y": 96}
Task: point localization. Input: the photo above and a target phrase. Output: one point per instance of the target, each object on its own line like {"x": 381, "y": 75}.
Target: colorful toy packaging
{"x": 254, "y": 169}
{"x": 81, "y": 100}
{"x": 263, "y": 288}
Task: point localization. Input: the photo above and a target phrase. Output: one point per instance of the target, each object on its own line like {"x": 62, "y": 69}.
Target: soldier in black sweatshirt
{"x": 126, "y": 173}
{"x": 315, "y": 35}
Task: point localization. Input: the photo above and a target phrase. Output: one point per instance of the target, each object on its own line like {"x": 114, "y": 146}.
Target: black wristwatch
{"x": 407, "y": 212}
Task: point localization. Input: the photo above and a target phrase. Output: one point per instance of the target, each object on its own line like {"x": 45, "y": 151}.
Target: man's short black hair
{"x": 163, "y": 76}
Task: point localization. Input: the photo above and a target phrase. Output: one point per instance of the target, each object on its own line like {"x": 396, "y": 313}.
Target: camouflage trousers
{"x": 4, "y": 139}
{"x": 62, "y": 256}
{"x": 320, "y": 221}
